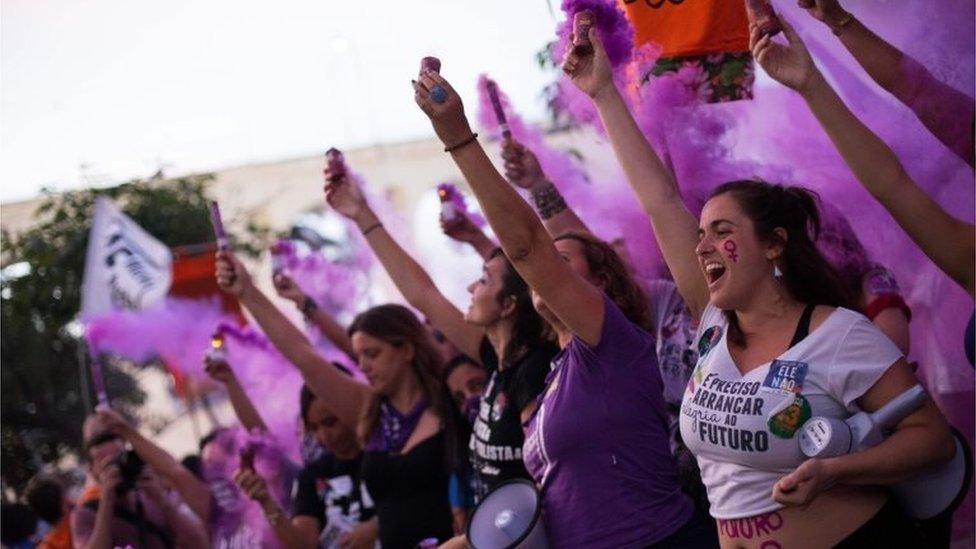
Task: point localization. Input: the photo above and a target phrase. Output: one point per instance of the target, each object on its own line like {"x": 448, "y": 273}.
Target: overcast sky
{"x": 98, "y": 91}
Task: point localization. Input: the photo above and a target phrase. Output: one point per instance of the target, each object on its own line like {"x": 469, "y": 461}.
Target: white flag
{"x": 125, "y": 267}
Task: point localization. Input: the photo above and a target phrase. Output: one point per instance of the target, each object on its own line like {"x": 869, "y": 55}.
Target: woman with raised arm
{"x": 669, "y": 319}
{"x": 404, "y": 419}
{"x": 214, "y": 499}
{"x": 949, "y": 242}
{"x": 776, "y": 348}
{"x": 500, "y": 329}
{"x": 331, "y": 507}
{"x": 947, "y": 112}
{"x": 597, "y": 445}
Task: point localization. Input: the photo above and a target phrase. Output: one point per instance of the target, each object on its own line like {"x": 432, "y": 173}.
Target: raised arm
{"x": 675, "y": 228}
{"x": 523, "y": 170}
{"x": 344, "y": 395}
{"x": 330, "y": 328}
{"x": 244, "y": 409}
{"x": 89, "y": 532}
{"x": 299, "y": 533}
{"x": 194, "y": 492}
{"x": 945, "y": 111}
{"x": 410, "y": 278}
{"x": 947, "y": 241}
{"x": 577, "y": 303}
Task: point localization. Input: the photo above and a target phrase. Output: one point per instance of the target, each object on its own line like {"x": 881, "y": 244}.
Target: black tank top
{"x": 410, "y": 493}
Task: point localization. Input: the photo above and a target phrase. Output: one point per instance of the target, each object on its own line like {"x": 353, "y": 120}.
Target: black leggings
{"x": 888, "y": 528}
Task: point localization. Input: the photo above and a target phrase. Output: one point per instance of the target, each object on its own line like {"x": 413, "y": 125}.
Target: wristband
{"x": 468, "y": 141}
{"x": 371, "y": 228}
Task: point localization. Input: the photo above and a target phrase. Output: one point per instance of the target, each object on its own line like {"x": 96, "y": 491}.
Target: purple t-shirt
{"x": 598, "y": 444}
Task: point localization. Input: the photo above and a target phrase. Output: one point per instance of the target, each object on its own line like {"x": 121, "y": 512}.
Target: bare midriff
{"x": 828, "y": 519}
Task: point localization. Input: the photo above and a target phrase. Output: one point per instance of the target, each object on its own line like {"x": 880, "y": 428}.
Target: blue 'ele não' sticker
{"x": 786, "y": 376}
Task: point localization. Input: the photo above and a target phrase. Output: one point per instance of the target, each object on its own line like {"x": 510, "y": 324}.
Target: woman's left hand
{"x": 790, "y": 64}
{"x": 447, "y": 116}
{"x": 800, "y": 487}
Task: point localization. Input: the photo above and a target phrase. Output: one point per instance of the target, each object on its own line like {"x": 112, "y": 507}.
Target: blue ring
{"x": 438, "y": 95}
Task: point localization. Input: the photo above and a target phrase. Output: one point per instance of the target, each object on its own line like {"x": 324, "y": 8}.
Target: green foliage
{"x": 42, "y": 401}
{"x": 559, "y": 118}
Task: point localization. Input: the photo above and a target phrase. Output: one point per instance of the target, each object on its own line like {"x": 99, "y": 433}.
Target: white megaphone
{"x": 923, "y": 496}
{"x": 509, "y": 517}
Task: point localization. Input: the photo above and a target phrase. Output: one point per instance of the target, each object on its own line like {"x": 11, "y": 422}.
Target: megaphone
{"x": 509, "y": 517}
{"x": 923, "y": 496}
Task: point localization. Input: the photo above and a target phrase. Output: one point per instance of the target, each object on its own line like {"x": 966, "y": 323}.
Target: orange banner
{"x": 689, "y": 27}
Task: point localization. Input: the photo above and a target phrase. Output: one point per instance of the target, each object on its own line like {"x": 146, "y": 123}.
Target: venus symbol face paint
{"x": 730, "y": 250}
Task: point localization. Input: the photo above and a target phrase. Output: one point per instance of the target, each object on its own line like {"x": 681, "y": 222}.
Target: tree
{"x": 42, "y": 402}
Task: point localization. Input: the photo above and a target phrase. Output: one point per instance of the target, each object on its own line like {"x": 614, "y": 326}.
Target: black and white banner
{"x": 125, "y": 267}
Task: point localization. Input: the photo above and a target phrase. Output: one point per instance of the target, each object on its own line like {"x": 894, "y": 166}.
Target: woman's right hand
{"x": 231, "y": 275}
{"x": 345, "y": 197}
{"x": 252, "y": 485}
{"x": 461, "y": 228}
{"x": 287, "y": 288}
{"x": 112, "y": 422}
{"x": 521, "y": 165}
{"x": 591, "y": 72}
{"x": 108, "y": 475}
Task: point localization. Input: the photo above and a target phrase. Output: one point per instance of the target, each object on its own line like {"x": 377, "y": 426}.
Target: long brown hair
{"x": 807, "y": 275}
{"x": 606, "y": 264}
{"x": 398, "y": 326}
{"x": 528, "y": 328}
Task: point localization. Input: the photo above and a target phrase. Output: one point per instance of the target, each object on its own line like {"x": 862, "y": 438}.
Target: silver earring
{"x": 777, "y": 274}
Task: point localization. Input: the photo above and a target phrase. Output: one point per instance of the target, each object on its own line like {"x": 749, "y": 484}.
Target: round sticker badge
{"x": 708, "y": 340}
{"x": 786, "y": 423}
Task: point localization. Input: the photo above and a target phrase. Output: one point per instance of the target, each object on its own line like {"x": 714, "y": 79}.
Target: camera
{"x": 130, "y": 466}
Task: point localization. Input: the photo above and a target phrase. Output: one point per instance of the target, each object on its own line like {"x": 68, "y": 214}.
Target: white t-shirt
{"x": 742, "y": 428}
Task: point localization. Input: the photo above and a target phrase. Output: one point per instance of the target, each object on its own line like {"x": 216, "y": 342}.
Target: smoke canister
{"x": 496, "y": 105}
{"x": 217, "y": 352}
{"x": 583, "y": 21}
{"x": 335, "y": 165}
{"x": 445, "y": 192}
{"x": 430, "y": 63}
{"x": 762, "y": 14}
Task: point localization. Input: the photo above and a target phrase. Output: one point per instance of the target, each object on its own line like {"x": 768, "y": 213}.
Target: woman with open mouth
{"x": 777, "y": 347}
{"x": 597, "y": 446}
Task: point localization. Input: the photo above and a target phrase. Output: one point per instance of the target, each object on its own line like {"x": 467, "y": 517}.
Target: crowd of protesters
{"x": 647, "y": 412}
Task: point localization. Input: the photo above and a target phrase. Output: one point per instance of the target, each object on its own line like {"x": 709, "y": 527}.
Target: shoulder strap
{"x": 803, "y": 326}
